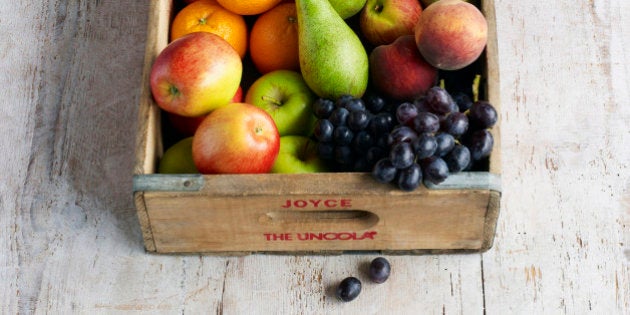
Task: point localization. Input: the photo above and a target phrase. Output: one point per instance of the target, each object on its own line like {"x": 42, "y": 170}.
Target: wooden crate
{"x": 307, "y": 213}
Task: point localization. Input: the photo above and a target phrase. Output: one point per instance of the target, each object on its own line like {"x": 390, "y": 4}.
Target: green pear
{"x": 333, "y": 60}
{"x": 347, "y": 8}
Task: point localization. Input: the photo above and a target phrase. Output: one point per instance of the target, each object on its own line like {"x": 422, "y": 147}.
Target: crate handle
{"x": 332, "y": 219}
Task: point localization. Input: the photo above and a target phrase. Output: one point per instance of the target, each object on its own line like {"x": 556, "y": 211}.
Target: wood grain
{"x": 69, "y": 232}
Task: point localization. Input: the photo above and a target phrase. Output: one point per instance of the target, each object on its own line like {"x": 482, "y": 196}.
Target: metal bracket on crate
{"x": 469, "y": 180}
{"x": 167, "y": 182}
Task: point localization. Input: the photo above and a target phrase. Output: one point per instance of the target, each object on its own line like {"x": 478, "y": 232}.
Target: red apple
{"x": 186, "y": 126}
{"x": 382, "y": 21}
{"x": 195, "y": 74}
{"x": 451, "y": 34}
{"x": 399, "y": 71}
{"x": 236, "y": 139}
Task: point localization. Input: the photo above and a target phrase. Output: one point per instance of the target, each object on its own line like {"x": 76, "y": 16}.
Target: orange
{"x": 273, "y": 41}
{"x": 208, "y": 16}
{"x": 248, "y": 7}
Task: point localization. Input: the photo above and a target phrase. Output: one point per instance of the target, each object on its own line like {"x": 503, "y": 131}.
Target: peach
{"x": 451, "y": 34}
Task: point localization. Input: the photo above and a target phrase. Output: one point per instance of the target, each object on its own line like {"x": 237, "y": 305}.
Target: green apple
{"x": 178, "y": 159}
{"x": 298, "y": 154}
{"x": 286, "y": 97}
{"x": 347, "y": 8}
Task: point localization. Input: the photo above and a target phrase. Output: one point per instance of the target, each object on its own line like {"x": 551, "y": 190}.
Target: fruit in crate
{"x": 237, "y": 138}
{"x": 186, "y": 126}
{"x": 209, "y": 16}
{"x": 347, "y": 8}
{"x": 248, "y": 7}
{"x": 426, "y": 3}
{"x": 434, "y": 138}
{"x": 178, "y": 159}
{"x": 333, "y": 60}
{"x": 274, "y": 40}
{"x": 195, "y": 74}
{"x": 298, "y": 154}
{"x": 382, "y": 21}
{"x": 399, "y": 71}
{"x": 286, "y": 97}
{"x": 451, "y": 34}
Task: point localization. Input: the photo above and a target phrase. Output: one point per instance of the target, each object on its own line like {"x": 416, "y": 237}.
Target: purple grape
{"x": 374, "y": 154}
{"x": 323, "y": 130}
{"x": 438, "y": 101}
{"x": 361, "y": 165}
{"x": 458, "y": 159}
{"x": 480, "y": 144}
{"x": 456, "y": 124}
{"x": 401, "y": 134}
{"x": 322, "y": 108}
{"x": 339, "y": 116}
{"x": 362, "y": 141}
{"x": 343, "y": 100}
{"x": 349, "y": 289}
{"x": 463, "y": 101}
{"x": 384, "y": 171}
{"x": 401, "y": 155}
{"x": 421, "y": 105}
{"x": 445, "y": 143}
{"x": 355, "y": 104}
{"x": 343, "y": 155}
{"x": 373, "y": 102}
{"x": 379, "y": 270}
{"x": 358, "y": 120}
{"x": 482, "y": 115}
{"x": 342, "y": 135}
{"x": 435, "y": 170}
{"x": 426, "y": 123}
{"x": 424, "y": 146}
{"x": 326, "y": 151}
{"x": 410, "y": 177}
{"x": 405, "y": 113}
{"x": 380, "y": 124}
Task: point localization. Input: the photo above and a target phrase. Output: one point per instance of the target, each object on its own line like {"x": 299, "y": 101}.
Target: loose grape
{"x": 463, "y": 101}
{"x": 349, "y": 289}
{"x": 380, "y": 124}
{"x": 380, "y": 269}
{"x": 355, "y": 104}
{"x": 362, "y": 141}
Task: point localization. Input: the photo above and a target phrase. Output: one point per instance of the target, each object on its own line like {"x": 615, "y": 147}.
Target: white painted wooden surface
{"x": 70, "y": 241}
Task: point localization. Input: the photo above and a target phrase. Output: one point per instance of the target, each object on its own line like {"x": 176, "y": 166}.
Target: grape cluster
{"x": 434, "y": 136}
{"x": 352, "y": 132}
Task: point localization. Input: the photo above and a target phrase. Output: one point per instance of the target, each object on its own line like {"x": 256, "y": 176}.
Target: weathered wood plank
{"x": 565, "y": 91}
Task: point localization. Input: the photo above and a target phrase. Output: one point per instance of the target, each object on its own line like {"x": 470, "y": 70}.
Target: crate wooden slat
{"x": 328, "y": 212}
